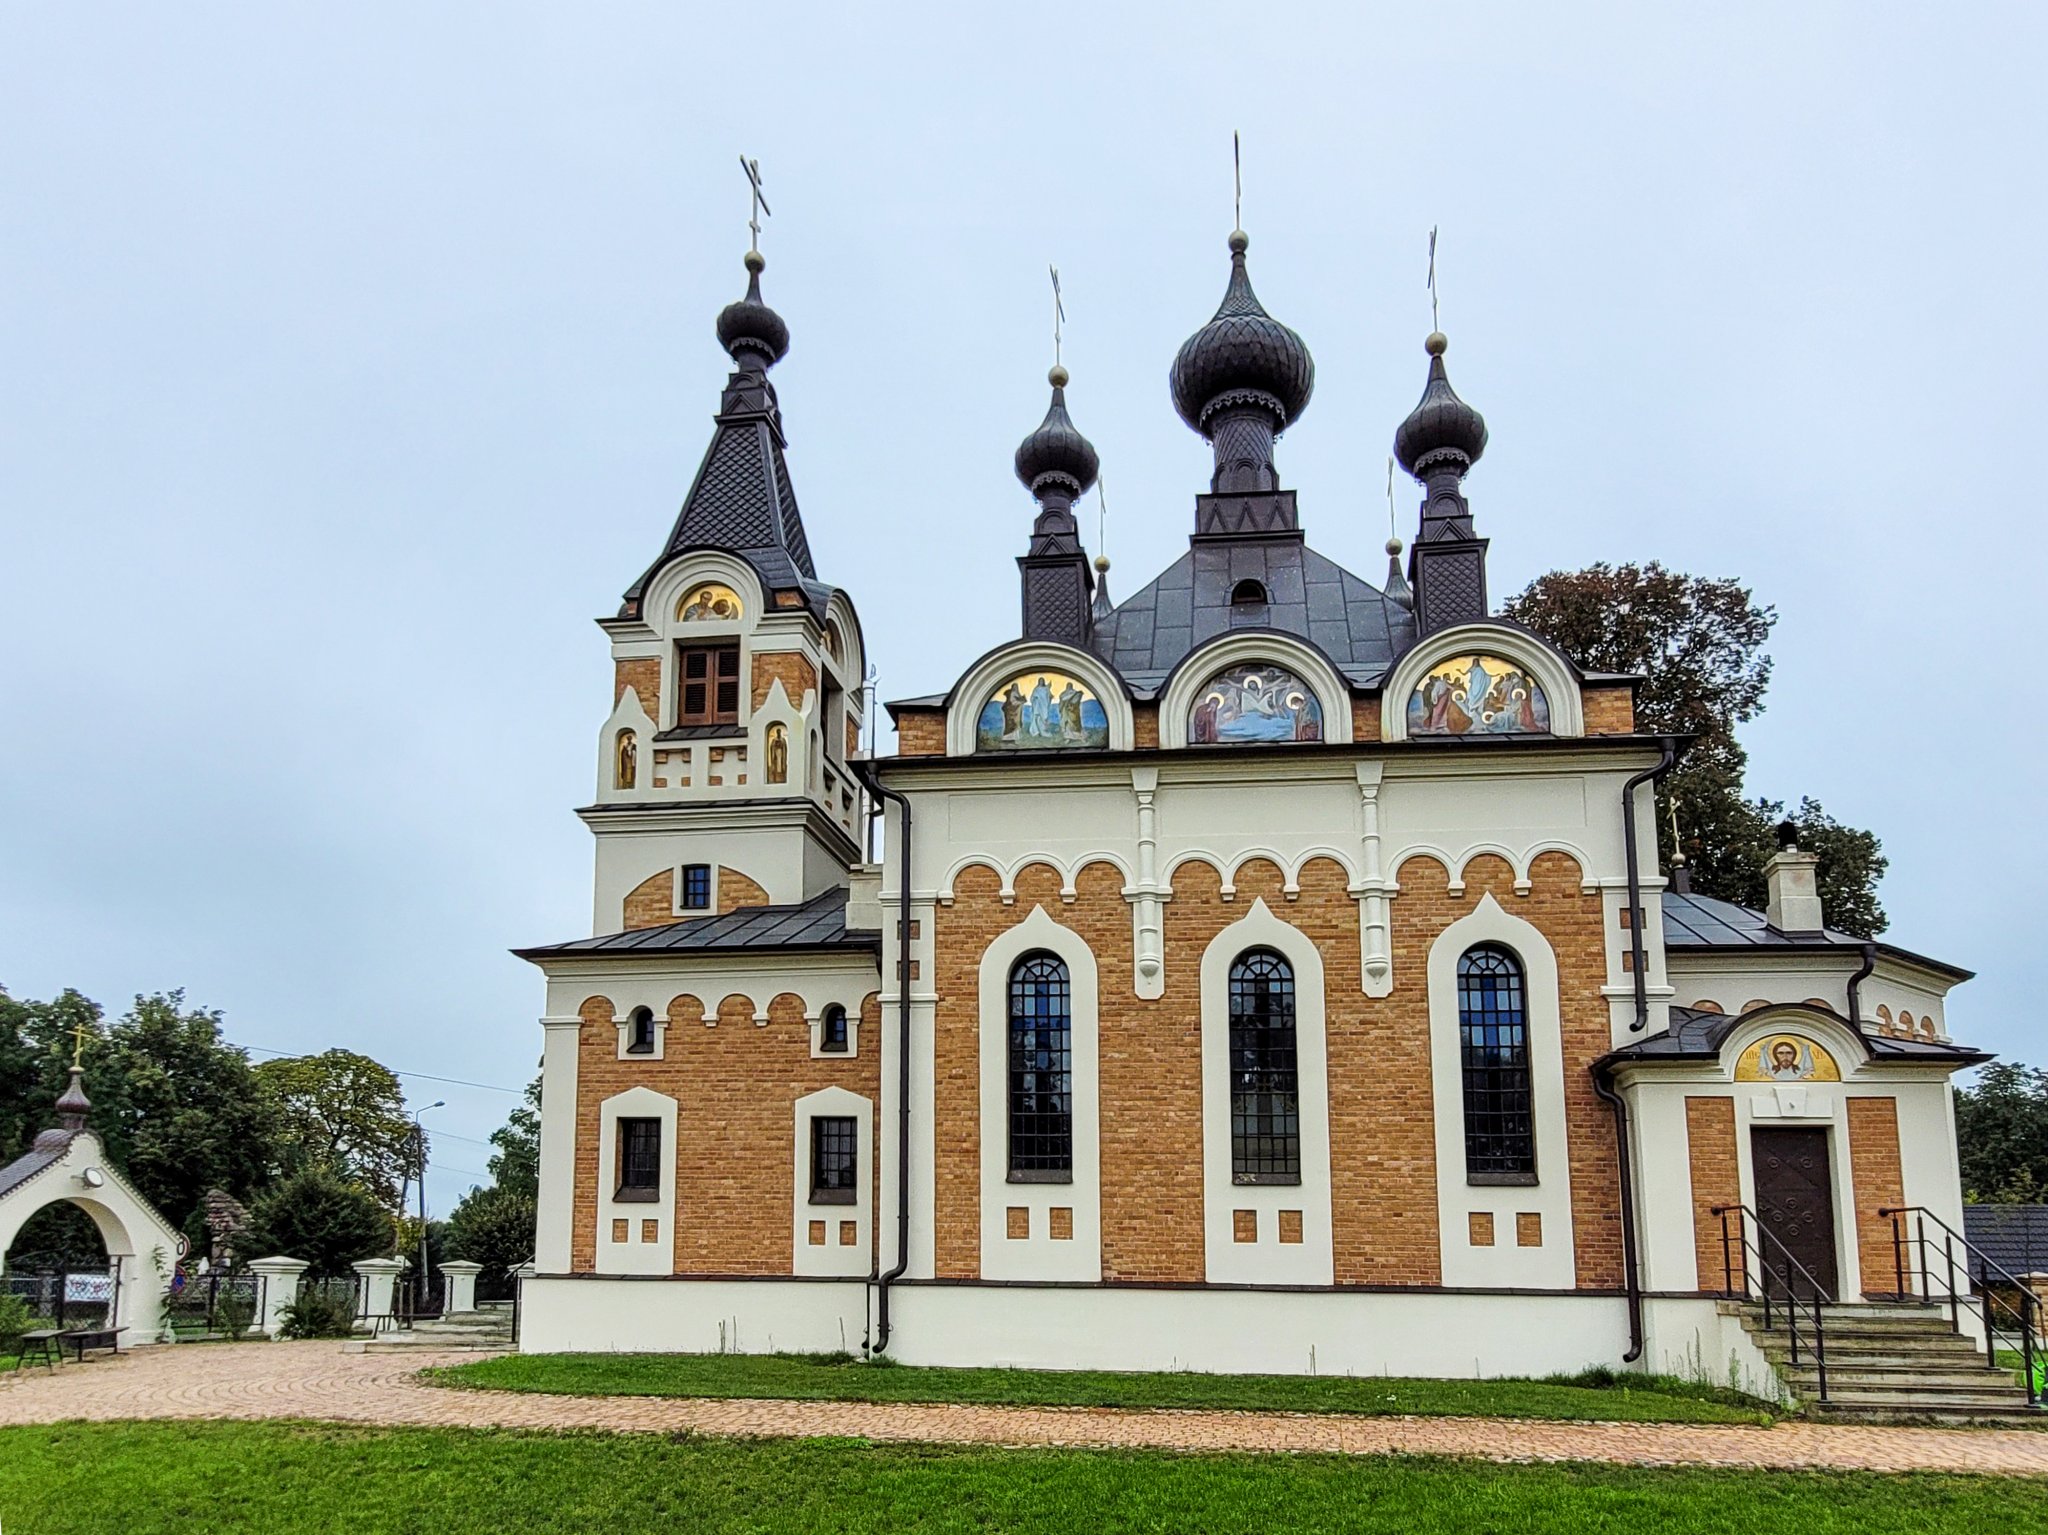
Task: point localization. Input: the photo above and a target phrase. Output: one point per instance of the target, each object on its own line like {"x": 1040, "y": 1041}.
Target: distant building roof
{"x": 2015, "y": 1237}
{"x": 1703, "y": 923}
{"x": 49, "y": 1150}
{"x": 1697, "y": 1035}
{"x": 815, "y": 925}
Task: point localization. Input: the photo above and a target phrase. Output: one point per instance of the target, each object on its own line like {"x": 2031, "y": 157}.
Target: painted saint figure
{"x": 778, "y": 754}
{"x": 1041, "y": 709}
{"x": 1070, "y": 714}
{"x": 627, "y": 770}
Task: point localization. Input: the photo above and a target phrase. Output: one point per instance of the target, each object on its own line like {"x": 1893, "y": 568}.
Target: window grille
{"x": 835, "y": 1159}
{"x": 1265, "y": 1095}
{"x": 696, "y": 887}
{"x": 710, "y": 690}
{"x": 832, "y": 1029}
{"x": 641, "y": 1040}
{"x": 1248, "y": 594}
{"x": 639, "y": 1161}
{"x": 1041, "y": 1072}
{"x": 1493, "y": 1037}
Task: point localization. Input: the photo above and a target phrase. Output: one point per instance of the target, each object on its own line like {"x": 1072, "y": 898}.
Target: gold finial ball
{"x": 1393, "y": 546}
{"x": 1239, "y": 242}
{"x": 1435, "y": 342}
{"x": 1102, "y": 564}
{"x": 1057, "y": 377}
{"x": 756, "y": 262}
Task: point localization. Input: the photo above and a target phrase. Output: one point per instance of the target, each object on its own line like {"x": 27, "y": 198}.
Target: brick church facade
{"x": 1271, "y": 971}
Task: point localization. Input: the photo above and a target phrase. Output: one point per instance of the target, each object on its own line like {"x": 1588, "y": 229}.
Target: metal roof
{"x": 816, "y": 924}
{"x": 1696, "y": 1035}
{"x": 1701, "y": 922}
{"x": 2015, "y": 1237}
{"x": 29, "y": 1163}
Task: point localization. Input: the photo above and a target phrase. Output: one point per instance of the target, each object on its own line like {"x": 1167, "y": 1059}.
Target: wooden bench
{"x": 83, "y": 1338}
{"x": 39, "y": 1342}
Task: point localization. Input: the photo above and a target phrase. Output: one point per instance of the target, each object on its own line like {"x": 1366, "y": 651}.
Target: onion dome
{"x": 1056, "y": 454}
{"x": 1442, "y": 427}
{"x": 750, "y": 326}
{"x": 1242, "y": 356}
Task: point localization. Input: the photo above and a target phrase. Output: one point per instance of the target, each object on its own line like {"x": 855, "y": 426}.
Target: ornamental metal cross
{"x": 1059, "y": 313}
{"x": 1237, "y": 183}
{"x": 78, "y": 1046}
{"x": 1432, "y": 279}
{"x": 1101, "y": 517}
{"x": 1393, "y": 520}
{"x": 759, "y": 205}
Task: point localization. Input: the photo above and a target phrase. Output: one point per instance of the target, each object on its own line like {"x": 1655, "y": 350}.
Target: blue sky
{"x": 356, "y": 358}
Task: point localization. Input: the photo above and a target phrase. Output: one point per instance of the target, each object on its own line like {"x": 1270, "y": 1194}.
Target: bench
{"x": 39, "y": 1343}
{"x": 83, "y": 1338}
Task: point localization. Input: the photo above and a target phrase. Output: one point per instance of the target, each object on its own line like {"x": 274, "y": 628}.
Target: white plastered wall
{"x": 1552, "y": 1264}
{"x": 833, "y": 1256}
{"x": 1038, "y": 1254}
{"x": 638, "y": 1254}
{"x": 1266, "y": 1260}
{"x": 143, "y": 1242}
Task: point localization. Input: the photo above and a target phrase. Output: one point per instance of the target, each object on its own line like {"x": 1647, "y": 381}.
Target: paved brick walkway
{"x": 317, "y": 1380}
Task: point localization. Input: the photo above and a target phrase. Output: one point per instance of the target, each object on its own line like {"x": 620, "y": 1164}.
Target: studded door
{"x": 1795, "y": 1201}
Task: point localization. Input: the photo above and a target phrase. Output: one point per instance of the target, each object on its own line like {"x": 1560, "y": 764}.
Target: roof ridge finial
{"x": 1237, "y": 235}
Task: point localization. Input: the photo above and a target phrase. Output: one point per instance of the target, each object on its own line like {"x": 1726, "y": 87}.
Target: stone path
{"x": 317, "y": 1380}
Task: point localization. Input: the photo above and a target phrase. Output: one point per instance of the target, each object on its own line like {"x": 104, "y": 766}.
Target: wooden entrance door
{"x": 1795, "y": 1201}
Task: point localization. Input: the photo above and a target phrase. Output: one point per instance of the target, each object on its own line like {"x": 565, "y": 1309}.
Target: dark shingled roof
{"x": 2015, "y": 1237}
{"x": 1347, "y": 618}
{"x": 1698, "y": 1036}
{"x": 817, "y": 924}
{"x": 1701, "y": 922}
{"x": 49, "y": 1149}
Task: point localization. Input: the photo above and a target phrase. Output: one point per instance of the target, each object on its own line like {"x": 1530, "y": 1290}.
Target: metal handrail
{"x": 2026, "y": 1316}
{"x": 1789, "y": 1266}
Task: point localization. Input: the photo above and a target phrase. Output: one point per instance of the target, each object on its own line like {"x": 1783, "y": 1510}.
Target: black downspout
{"x": 1631, "y": 1274}
{"x": 872, "y": 782}
{"x": 1856, "y": 986}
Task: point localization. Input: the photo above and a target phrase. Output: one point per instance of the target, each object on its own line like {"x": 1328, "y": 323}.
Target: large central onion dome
{"x": 1056, "y": 454}
{"x": 750, "y": 326}
{"x": 1242, "y": 357}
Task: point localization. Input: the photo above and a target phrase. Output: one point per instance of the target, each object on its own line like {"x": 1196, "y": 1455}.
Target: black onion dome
{"x": 1242, "y": 352}
{"x": 1441, "y": 423}
{"x": 750, "y": 325}
{"x": 1057, "y": 449}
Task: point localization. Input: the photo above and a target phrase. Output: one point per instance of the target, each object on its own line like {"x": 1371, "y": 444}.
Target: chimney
{"x": 1794, "y": 886}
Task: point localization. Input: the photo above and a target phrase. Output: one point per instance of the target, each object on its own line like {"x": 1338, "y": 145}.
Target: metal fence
{"x": 67, "y": 1297}
{"x": 216, "y": 1304}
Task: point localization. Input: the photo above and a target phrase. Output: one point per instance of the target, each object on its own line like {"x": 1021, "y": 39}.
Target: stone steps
{"x": 1891, "y": 1364}
{"x": 471, "y": 1332}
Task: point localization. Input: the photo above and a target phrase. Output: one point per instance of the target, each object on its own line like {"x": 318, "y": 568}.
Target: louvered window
{"x": 710, "y": 691}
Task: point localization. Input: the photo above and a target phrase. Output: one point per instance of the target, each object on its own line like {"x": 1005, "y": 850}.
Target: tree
{"x": 1698, "y": 645}
{"x": 2002, "y": 1134}
{"x": 495, "y": 1226}
{"x": 35, "y": 1048}
{"x": 344, "y": 1112}
{"x": 516, "y": 1163}
{"x": 320, "y": 1216}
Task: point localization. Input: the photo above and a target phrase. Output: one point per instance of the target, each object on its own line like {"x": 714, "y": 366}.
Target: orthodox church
{"x": 1272, "y": 971}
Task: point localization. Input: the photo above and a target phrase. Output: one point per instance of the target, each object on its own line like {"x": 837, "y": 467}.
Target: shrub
{"x": 318, "y": 1314}
{"x": 319, "y": 1217}
{"x": 14, "y": 1320}
{"x": 233, "y": 1312}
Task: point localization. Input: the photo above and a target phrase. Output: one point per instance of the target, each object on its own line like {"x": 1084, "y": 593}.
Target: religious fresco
{"x": 710, "y": 603}
{"x": 1478, "y": 695}
{"x": 1786, "y": 1058}
{"x": 1254, "y": 703}
{"x": 1040, "y": 711}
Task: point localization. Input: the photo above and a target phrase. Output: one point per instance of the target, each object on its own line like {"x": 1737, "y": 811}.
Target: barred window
{"x": 639, "y": 1161}
{"x": 835, "y": 1159}
{"x": 1493, "y": 1038}
{"x": 832, "y": 1029}
{"x": 1265, "y": 1086}
{"x": 641, "y": 1039}
{"x": 1041, "y": 1072}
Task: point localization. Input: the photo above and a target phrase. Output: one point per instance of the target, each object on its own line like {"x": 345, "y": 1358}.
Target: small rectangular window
{"x": 835, "y": 1159}
{"x": 639, "y": 1161}
{"x": 709, "y": 691}
{"x": 696, "y": 887}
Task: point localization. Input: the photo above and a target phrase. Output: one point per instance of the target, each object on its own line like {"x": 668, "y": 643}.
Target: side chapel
{"x": 1272, "y": 971}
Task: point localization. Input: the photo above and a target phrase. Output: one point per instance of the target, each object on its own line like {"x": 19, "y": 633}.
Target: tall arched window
{"x": 641, "y": 1040}
{"x": 1493, "y": 1039}
{"x": 1265, "y": 1096}
{"x": 1041, "y": 1071}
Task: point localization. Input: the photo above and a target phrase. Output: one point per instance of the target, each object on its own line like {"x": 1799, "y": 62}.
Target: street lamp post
{"x": 419, "y": 1136}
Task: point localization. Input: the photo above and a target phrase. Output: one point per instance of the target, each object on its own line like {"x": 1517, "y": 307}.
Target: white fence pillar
{"x": 461, "y": 1277}
{"x": 280, "y": 1278}
{"x": 380, "y": 1280}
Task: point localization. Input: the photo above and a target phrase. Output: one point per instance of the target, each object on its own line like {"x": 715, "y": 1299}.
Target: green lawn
{"x": 835, "y": 1378}
{"x": 143, "y": 1478}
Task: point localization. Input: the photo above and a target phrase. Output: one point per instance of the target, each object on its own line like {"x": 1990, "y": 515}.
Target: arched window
{"x": 1041, "y": 1072}
{"x": 1265, "y": 1096}
{"x": 640, "y": 1035}
{"x": 1248, "y": 594}
{"x": 832, "y": 1029}
{"x": 1493, "y": 1040}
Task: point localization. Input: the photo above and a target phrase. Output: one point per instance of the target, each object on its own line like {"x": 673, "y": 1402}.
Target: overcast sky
{"x": 353, "y": 359}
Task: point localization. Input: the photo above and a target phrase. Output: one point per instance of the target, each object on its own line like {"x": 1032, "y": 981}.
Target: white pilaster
{"x": 1376, "y": 970}
{"x": 280, "y": 1288}
{"x": 461, "y": 1277}
{"x": 1148, "y": 933}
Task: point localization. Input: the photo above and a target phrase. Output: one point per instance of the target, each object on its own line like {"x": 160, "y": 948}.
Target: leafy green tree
{"x": 2002, "y": 1134}
{"x": 1698, "y": 644}
{"x": 495, "y": 1226}
{"x": 35, "y": 1048}
{"x": 344, "y": 1112}
{"x": 320, "y": 1216}
{"x": 515, "y": 1164}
